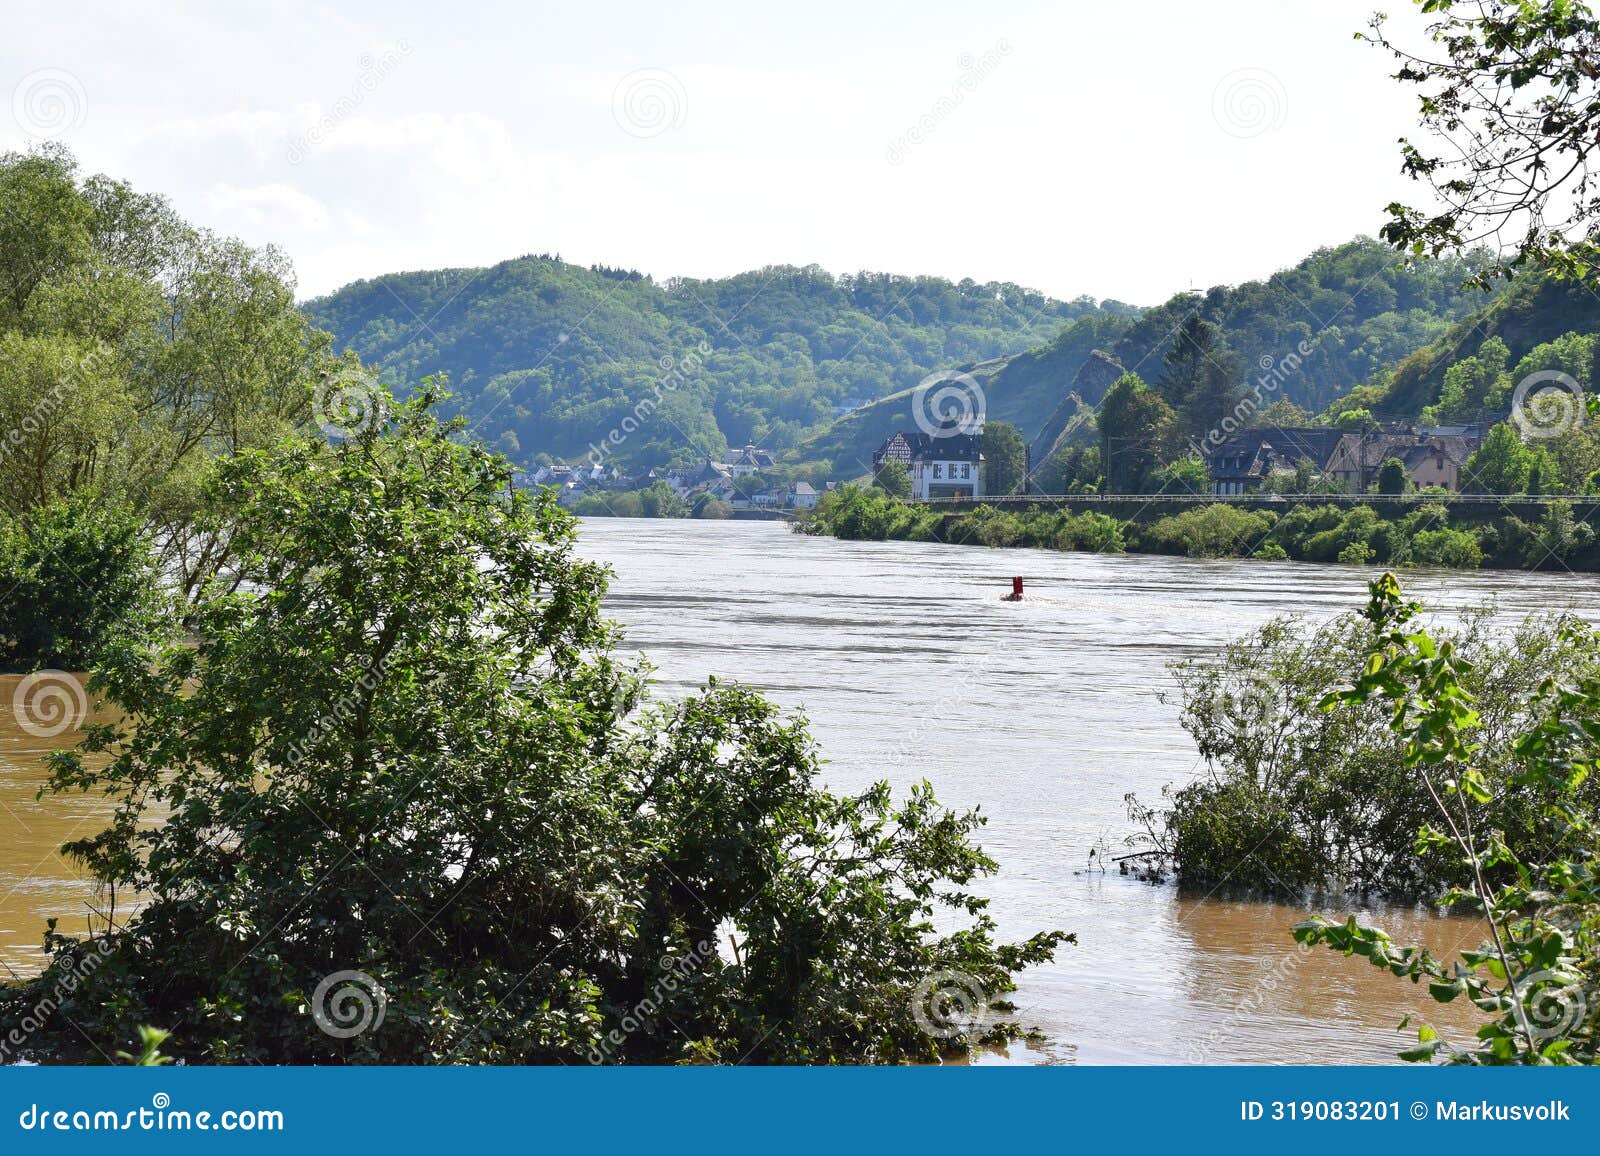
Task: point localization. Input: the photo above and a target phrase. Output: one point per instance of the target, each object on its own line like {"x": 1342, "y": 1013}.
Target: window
{"x": 936, "y": 469}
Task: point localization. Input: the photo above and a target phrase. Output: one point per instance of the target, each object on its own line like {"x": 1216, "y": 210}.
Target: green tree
{"x": 659, "y": 500}
{"x": 1502, "y": 464}
{"x": 1281, "y": 414}
{"x": 137, "y": 348}
{"x": 1273, "y": 804}
{"x": 1508, "y": 94}
{"x": 1184, "y": 476}
{"x": 1071, "y": 469}
{"x": 76, "y": 580}
{"x": 1200, "y": 377}
{"x": 1005, "y": 458}
{"x": 1476, "y": 383}
{"x": 1392, "y": 477}
{"x": 1560, "y": 535}
{"x": 892, "y": 479}
{"x": 403, "y": 754}
{"x": 1137, "y": 433}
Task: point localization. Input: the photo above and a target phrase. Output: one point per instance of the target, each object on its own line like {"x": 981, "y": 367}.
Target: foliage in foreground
{"x": 1295, "y": 797}
{"x": 1538, "y": 975}
{"x": 403, "y": 748}
{"x": 76, "y": 580}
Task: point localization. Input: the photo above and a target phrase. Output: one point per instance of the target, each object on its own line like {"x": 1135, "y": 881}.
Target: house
{"x": 1437, "y": 462}
{"x": 1242, "y": 463}
{"x": 895, "y": 449}
{"x": 749, "y": 461}
{"x": 1430, "y": 459}
{"x": 946, "y": 463}
{"x": 556, "y": 475}
{"x": 802, "y": 495}
{"x": 708, "y": 475}
{"x": 722, "y": 489}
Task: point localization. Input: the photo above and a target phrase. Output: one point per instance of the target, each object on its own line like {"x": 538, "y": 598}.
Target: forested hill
{"x": 1526, "y": 328}
{"x": 547, "y": 358}
{"x": 1357, "y": 309}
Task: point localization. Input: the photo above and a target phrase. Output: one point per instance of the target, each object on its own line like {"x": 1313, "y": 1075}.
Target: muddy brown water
{"x": 909, "y": 666}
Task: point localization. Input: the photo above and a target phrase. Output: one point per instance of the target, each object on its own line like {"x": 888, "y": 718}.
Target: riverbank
{"x": 1510, "y": 535}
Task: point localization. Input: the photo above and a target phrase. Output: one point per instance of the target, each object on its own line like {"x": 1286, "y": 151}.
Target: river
{"x": 909, "y": 666}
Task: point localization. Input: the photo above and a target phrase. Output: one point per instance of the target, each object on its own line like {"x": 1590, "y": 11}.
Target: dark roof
{"x": 1270, "y": 445}
{"x": 946, "y": 443}
{"x": 1413, "y": 448}
{"x": 1314, "y": 444}
{"x": 750, "y": 456}
{"x": 1455, "y": 449}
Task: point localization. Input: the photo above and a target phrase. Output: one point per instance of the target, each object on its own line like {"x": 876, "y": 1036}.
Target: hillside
{"x": 1531, "y": 313}
{"x": 1355, "y": 307}
{"x": 548, "y": 358}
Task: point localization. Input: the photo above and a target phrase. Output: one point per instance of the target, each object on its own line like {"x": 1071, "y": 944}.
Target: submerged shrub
{"x": 1328, "y": 796}
{"x": 1220, "y": 530}
{"x": 1458, "y": 549}
{"x": 856, "y": 514}
{"x": 1519, "y": 827}
{"x": 1091, "y": 533}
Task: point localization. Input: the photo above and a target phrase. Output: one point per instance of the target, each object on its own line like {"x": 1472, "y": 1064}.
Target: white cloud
{"x": 1088, "y": 161}
{"x": 268, "y": 206}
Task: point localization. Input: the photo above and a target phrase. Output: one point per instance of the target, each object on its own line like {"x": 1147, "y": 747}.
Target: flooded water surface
{"x": 1045, "y": 712}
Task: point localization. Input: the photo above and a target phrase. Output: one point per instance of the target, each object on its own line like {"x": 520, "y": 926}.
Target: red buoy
{"x": 1016, "y": 591}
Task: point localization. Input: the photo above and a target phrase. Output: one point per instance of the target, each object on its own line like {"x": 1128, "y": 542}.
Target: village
{"x": 1320, "y": 459}
{"x": 742, "y": 484}
{"x": 946, "y": 463}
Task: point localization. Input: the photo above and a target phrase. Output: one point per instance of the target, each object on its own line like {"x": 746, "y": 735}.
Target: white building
{"x": 947, "y": 463}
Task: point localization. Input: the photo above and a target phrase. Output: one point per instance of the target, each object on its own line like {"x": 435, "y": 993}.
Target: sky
{"x": 1119, "y": 150}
